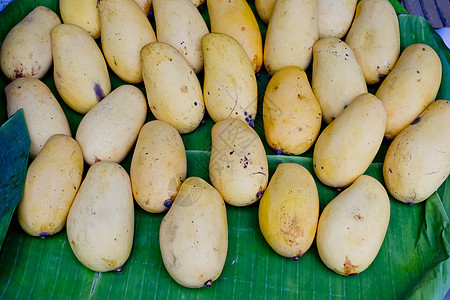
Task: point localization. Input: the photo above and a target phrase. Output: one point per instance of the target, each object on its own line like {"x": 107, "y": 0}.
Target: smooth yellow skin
{"x": 264, "y": 9}
{"x": 289, "y": 210}
{"x": 291, "y": 113}
{"x": 125, "y": 30}
{"x": 52, "y": 181}
{"x": 158, "y": 166}
{"x": 100, "y": 225}
{"x": 335, "y": 17}
{"x": 229, "y": 87}
{"x": 180, "y": 24}
{"x": 411, "y": 86}
{"x": 83, "y": 13}
{"x": 352, "y": 227}
{"x": 337, "y": 78}
{"x": 418, "y": 160}
{"x": 109, "y": 130}
{"x": 145, "y": 5}
{"x": 26, "y": 50}
{"x": 348, "y": 145}
{"x": 293, "y": 29}
{"x": 238, "y": 167}
{"x": 43, "y": 113}
{"x": 374, "y": 37}
{"x": 80, "y": 71}
{"x": 194, "y": 235}
{"x": 174, "y": 93}
{"x": 235, "y": 18}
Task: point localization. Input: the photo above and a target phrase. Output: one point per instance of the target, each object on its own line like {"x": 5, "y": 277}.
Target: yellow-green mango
{"x": 337, "y": 78}
{"x": 410, "y": 87}
{"x": 83, "y": 13}
{"x": 43, "y": 113}
{"x": 352, "y": 227}
{"x": 292, "y": 31}
{"x": 80, "y": 71}
{"x": 238, "y": 166}
{"x": 51, "y": 183}
{"x": 418, "y": 160}
{"x": 335, "y": 17}
{"x": 291, "y": 113}
{"x": 125, "y": 30}
{"x": 348, "y": 145}
{"x": 230, "y": 89}
{"x": 26, "y": 50}
{"x": 236, "y": 19}
{"x": 194, "y": 235}
{"x": 180, "y": 24}
{"x": 174, "y": 93}
{"x": 289, "y": 210}
{"x": 109, "y": 130}
{"x": 374, "y": 37}
{"x": 264, "y": 9}
{"x": 100, "y": 225}
{"x": 158, "y": 166}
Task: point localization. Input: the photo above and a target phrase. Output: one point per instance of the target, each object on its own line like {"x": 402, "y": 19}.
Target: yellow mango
{"x": 374, "y": 37}
{"x": 83, "y": 13}
{"x": 410, "y": 87}
{"x": 264, "y": 9}
{"x": 238, "y": 166}
{"x": 26, "y": 50}
{"x": 292, "y": 31}
{"x": 100, "y": 225}
{"x": 352, "y": 227}
{"x": 194, "y": 235}
{"x": 291, "y": 113}
{"x": 158, "y": 166}
{"x": 145, "y": 5}
{"x": 418, "y": 160}
{"x": 52, "y": 181}
{"x": 180, "y": 24}
{"x": 289, "y": 210}
{"x": 348, "y": 145}
{"x": 80, "y": 71}
{"x": 173, "y": 91}
{"x": 335, "y": 17}
{"x": 236, "y": 19}
{"x": 229, "y": 87}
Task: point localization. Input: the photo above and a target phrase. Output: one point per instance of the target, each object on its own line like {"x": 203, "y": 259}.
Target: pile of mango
{"x": 98, "y": 208}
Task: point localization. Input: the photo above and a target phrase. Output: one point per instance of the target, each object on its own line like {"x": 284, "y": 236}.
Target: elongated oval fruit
{"x": 264, "y": 9}
{"x": 291, "y": 113}
{"x": 125, "y": 30}
{"x": 43, "y": 113}
{"x": 109, "y": 130}
{"x": 229, "y": 87}
{"x": 236, "y": 19}
{"x": 292, "y": 31}
{"x": 158, "y": 166}
{"x": 194, "y": 235}
{"x": 347, "y": 146}
{"x": 411, "y": 86}
{"x": 80, "y": 71}
{"x": 352, "y": 227}
{"x": 375, "y": 38}
{"x": 51, "y": 184}
{"x": 100, "y": 225}
{"x": 83, "y": 13}
{"x": 238, "y": 166}
{"x": 337, "y": 78}
{"x": 27, "y": 49}
{"x": 335, "y": 17}
{"x": 173, "y": 91}
{"x": 289, "y": 210}
{"x": 418, "y": 160}
{"x": 180, "y": 24}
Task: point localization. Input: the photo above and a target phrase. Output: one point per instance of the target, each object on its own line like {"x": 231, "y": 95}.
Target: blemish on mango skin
{"x": 348, "y": 266}
{"x": 98, "y": 92}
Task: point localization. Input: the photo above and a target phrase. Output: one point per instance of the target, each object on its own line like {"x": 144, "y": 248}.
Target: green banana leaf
{"x": 413, "y": 260}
